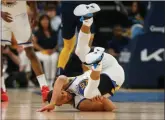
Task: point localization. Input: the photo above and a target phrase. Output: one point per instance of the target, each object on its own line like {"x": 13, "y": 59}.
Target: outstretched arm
{"x": 60, "y": 83}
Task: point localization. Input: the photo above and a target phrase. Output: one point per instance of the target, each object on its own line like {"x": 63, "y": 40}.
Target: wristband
{"x": 54, "y": 104}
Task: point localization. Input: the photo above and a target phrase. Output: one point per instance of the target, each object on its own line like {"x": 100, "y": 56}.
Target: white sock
{"x": 3, "y": 84}
{"x": 88, "y": 22}
{"x": 91, "y": 89}
{"x": 82, "y": 48}
{"x": 42, "y": 80}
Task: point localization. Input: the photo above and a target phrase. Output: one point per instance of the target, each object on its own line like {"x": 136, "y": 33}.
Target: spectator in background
{"x": 134, "y": 9}
{"x": 118, "y": 41}
{"x": 137, "y": 16}
{"x": 45, "y": 42}
{"x": 55, "y": 20}
{"x": 55, "y": 23}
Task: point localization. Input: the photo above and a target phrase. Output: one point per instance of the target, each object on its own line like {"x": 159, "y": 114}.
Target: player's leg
{"x": 85, "y": 68}
{"x": 4, "y": 96}
{"x": 94, "y": 61}
{"x": 22, "y": 34}
{"x": 84, "y": 36}
{"x": 5, "y": 40}
{"x": 65, "y": 54}
{"x": 91, "y": 89}
{"x": 69, "y": 38}
{"x": 82, "y": 48}
{"x": 92, "y": 29}
{"x": 36, "y": 66}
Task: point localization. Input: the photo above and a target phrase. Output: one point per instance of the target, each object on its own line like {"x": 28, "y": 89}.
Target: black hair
{"x": 49, "y": 96}
{"x": 50, "y": 7}
{"x": 39, "y": 23}
{"x": 142, "y": 10}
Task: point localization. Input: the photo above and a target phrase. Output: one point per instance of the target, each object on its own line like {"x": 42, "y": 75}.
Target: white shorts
{"x": 20, "y": 27}
{"x": 112, "y": 69}
{"x": 116, "y": 73}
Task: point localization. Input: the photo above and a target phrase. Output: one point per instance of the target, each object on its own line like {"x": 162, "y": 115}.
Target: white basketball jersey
{"x": 78, "y": 84}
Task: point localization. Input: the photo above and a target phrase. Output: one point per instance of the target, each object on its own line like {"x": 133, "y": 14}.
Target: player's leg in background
{"x": 22, "y": 34}
{"x": 5, "y": 40}
{"x": 4, "y": 96}
{"x": 37, "y": 68}
{"x": 36, "y": 65}
{"x": 69, "y": 38}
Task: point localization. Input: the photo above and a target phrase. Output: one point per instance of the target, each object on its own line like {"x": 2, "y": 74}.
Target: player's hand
{"x": 48, "y": 108}
{"x": 6, "y": 51}
{"x": 6, "y": 16}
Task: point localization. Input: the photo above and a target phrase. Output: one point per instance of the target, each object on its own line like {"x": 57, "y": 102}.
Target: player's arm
{"x": 60, "y": 83}
{"x": 6, "y": 16}
{"x": 99, "y": 104}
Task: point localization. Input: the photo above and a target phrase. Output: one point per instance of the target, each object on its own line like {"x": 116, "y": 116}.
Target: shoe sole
{"x": 82, "y": 10}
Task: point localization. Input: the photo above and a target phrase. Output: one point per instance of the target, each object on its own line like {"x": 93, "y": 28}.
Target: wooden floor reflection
{"x": 24, "y": 103}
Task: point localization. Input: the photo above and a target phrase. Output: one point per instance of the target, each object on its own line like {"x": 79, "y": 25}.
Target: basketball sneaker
{"x": 83, "y": 9}
{"x": 4, "y": 96}
{"x": 94, "y": 57}
{"x": 44, "y": 91}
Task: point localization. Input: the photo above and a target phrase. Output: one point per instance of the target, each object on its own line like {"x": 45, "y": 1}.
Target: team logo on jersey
{"x": 82, "y": 85}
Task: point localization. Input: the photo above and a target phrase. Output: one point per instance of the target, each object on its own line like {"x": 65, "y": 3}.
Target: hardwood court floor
{"x": 24, "y": 103}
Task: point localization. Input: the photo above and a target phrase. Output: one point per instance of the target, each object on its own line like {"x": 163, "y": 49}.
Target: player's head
{"x": 44, "y": 23}
{"x": 134, "y": 7}
{"x": 64, "y": 98}
{"x": 117, "y": 30}
{"x": 51, "y": 10}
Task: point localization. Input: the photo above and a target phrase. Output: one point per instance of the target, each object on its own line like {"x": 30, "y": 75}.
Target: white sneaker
{"x": 95, "y": 57}
{"x": 83, "y": 9}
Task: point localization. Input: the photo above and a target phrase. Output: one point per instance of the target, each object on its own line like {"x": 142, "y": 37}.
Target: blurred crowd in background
{"x": 116, "y": 25}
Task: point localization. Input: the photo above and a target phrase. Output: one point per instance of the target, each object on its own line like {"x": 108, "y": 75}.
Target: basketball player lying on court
{"x": 89, "y": 91}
